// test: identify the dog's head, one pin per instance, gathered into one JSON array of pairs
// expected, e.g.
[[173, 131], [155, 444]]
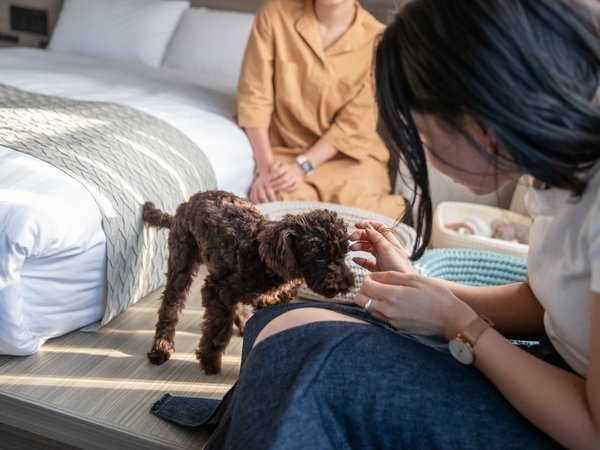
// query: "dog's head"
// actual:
[[313, 246]]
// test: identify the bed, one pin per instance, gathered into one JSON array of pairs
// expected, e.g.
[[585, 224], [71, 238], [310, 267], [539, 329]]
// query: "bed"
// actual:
[[88, 134]]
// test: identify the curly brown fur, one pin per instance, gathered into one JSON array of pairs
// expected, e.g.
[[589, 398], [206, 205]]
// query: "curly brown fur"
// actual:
[[250, 261]]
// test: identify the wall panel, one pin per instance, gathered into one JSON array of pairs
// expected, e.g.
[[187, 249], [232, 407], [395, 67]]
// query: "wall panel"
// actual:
[[382, 9]]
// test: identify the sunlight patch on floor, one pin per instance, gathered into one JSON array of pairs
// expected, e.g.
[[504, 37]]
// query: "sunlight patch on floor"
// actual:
[[86, 351], [195, 387]]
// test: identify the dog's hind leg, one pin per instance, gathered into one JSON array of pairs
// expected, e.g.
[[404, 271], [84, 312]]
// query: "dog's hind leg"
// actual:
[[182, 266], [217, 327]]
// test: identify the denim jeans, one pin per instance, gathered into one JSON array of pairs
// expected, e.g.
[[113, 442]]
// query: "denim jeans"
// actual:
[[337, 385]]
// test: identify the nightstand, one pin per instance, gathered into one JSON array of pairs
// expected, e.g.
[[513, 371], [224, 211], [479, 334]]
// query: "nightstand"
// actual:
[[27, 22], [6, 42]]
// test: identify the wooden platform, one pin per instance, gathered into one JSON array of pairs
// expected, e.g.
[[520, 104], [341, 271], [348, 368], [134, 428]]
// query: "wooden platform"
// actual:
[[94, 390]]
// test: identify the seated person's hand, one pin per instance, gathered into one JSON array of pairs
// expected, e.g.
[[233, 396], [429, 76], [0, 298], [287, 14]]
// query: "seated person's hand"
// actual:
[[414, 304], [378, 240], [261, 190], [286, 177]]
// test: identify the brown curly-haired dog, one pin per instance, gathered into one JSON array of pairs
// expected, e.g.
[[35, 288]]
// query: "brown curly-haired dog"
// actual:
[[250, 260]]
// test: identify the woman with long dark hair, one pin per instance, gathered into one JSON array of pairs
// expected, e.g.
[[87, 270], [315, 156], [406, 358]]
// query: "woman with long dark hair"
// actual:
[[485, 91]]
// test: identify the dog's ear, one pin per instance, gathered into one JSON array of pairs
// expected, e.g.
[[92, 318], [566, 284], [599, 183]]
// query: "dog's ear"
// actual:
[[276, 248]]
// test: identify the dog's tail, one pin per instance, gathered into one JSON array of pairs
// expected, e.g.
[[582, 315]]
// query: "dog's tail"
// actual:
[[155, 217]]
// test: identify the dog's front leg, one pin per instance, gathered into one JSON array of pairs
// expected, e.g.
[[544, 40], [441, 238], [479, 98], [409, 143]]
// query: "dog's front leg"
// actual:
[[182, 266], [217, 328]]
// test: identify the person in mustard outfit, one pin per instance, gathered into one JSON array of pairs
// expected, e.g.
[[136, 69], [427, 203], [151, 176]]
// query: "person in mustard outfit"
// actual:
[[306, 102]]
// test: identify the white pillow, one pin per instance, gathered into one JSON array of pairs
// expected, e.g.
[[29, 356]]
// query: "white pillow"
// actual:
[[209, 45], [135, 31]]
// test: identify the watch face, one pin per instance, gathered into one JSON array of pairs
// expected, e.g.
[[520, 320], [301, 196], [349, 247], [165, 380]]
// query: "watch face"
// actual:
[[461, 351], [304, 164]]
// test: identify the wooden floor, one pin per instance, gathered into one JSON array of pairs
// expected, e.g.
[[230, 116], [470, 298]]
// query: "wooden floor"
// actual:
[[94, 390]]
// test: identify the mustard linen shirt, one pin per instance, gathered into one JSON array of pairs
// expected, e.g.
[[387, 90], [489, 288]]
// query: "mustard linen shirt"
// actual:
[[301, 93]]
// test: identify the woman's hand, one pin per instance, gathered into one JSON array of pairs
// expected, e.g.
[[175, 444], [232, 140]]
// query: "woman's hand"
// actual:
[[414, 304], [377, 239], [261, 190], [280, 177], [286, 177]]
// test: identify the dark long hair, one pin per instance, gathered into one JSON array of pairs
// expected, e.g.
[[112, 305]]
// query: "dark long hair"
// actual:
[[526, 69]]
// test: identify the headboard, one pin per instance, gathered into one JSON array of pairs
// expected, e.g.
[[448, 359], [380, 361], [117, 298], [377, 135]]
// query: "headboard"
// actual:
[[43, 14], [382, 9]]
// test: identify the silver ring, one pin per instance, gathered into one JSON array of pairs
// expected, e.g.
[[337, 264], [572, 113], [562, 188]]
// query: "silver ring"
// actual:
[[368, 306]]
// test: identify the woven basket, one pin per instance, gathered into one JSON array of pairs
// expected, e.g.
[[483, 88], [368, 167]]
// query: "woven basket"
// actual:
[[472, 267], [405, 235], [448, 212]]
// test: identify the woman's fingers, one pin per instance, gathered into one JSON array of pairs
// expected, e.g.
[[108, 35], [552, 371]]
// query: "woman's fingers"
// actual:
[[370, 304], [384, 285], [366, 223], [381, 287], [276, 169], [283, 178], [361, 232], [281, 184], [357, 235], [365, 263], [377, 239], [288, 184], [383, 238], [265, 194], [362, 300], [362, 246], [279, 177], [382, 279], [271, 197]]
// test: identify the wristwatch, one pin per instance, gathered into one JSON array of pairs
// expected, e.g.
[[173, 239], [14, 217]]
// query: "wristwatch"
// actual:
[[305, 165], [463, 344]]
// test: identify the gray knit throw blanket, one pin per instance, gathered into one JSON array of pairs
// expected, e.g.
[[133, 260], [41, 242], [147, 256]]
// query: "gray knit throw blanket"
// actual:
[[123, 157]]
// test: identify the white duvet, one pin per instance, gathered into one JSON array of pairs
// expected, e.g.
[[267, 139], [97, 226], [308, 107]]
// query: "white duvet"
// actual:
[[52, 247]]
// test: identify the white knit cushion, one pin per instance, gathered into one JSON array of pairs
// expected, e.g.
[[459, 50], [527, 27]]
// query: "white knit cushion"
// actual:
[[405, 234]]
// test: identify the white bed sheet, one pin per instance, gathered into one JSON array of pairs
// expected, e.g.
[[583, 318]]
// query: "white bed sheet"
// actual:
[[52, 254], [52, 247], [205, 116]]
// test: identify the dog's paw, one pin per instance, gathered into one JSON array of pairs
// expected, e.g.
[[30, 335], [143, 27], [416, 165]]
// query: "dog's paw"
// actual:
[[210, 366], [160, 353]]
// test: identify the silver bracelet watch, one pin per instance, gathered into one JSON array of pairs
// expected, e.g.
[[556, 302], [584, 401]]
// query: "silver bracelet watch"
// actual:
[[305, 165]]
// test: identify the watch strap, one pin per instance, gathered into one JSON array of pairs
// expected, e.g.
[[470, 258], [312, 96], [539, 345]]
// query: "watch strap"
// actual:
[[476, 327]]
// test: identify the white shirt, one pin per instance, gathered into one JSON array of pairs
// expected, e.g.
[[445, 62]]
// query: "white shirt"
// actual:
[[564, 265]]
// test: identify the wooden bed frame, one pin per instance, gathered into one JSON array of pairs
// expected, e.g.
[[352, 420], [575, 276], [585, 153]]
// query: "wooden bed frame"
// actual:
[[94, 390]]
